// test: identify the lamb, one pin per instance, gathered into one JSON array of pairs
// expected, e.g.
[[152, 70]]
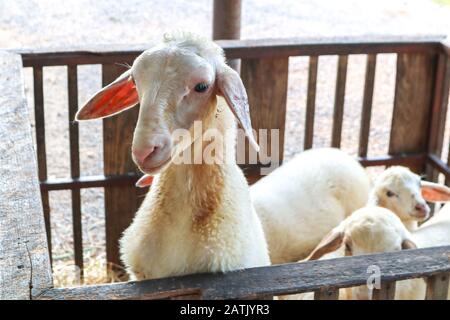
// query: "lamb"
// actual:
[[196, 217], [402, 191], [373, 230]]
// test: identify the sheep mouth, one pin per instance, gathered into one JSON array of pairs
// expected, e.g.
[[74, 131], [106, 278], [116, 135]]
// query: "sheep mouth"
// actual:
[[420, 216], [155, 168]]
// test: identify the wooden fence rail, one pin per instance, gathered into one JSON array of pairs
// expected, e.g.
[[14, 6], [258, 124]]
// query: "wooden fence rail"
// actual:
[[281, 279]]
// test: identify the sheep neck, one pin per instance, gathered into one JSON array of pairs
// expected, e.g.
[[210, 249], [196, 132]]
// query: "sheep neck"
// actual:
[[201, 185]]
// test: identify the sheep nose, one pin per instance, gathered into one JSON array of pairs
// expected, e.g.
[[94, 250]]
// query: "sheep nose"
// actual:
[[422, 209], [141, 154], [151, 153]]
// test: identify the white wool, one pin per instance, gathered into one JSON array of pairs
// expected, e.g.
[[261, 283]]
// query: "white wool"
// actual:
[[302, 200]]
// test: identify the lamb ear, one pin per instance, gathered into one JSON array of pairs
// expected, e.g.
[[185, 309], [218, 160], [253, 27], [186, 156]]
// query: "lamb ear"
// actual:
[[408, 244], [112, 99], [434, 192], [331, 242], [232, 89], [145, 181]]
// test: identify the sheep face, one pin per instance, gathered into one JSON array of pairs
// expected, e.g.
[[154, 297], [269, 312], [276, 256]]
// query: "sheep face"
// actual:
[[176, 83], [368, 230], [176, 87], [374, 230], [399, 190]]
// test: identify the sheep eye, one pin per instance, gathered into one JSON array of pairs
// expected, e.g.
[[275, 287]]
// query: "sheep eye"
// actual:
[[201, 87], [390, 194]]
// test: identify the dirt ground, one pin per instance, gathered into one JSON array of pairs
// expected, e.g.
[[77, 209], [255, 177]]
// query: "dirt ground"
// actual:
[[47, 24]]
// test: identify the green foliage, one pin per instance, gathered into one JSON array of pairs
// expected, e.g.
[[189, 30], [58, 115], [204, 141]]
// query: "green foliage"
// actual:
[[443, 2]]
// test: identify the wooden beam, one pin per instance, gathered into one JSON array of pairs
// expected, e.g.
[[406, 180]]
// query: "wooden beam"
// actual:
[[386, 292], [268, 106], [439, 111], [326, 294], [273, 280], [227, 23], [412, 104], [237, 49], [24, 261], [437, 287]]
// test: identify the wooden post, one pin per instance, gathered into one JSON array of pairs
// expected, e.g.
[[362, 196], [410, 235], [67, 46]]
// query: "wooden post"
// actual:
[[24, 258], [437, 287], [386, 292], [412, 104], [227, 23], [268, 106], [439, 111]]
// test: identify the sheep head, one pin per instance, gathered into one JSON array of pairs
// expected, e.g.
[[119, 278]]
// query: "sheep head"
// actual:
[[368, 230], [402, 191], [176, 84]]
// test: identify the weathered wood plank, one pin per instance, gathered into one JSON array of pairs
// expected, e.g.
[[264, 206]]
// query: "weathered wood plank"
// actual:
[[227, 23], [275, 280], [268, 105], [366, 113], [72, 84], [235, 49], [386, 292], [24, 261], [311, 102], [121, 202], [437, 287], [40, 148], [339, 99], [326, 294], [439, 111], [412, 104]]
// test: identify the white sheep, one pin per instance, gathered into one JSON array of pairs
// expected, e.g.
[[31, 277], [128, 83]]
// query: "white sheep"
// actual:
[[402, 191], [374, 230], [302, 200], [196, 217]]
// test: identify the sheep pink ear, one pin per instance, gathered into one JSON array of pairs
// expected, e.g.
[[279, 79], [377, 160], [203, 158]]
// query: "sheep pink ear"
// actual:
[[434, 192], [145, 181], [232, 89], [331, 242], [112, 99]]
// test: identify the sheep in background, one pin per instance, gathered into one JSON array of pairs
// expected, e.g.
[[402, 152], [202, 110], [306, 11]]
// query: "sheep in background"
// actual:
[[302, 200], [402, 191], [374, 230], [196, 217]]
